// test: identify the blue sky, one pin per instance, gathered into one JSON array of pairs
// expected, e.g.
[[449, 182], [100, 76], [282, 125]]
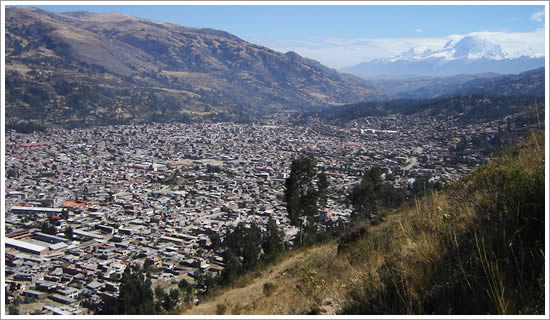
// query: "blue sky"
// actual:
[[327, 32]]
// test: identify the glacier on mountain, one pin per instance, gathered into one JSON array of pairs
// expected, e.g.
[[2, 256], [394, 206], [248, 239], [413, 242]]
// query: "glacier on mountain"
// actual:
[[469, 47], [467, 55]]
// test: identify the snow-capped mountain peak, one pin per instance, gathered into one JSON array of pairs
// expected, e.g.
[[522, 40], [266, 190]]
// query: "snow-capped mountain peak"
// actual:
[[475, 48], [461, 55], [469, 47], [415, 54], [448, 44]]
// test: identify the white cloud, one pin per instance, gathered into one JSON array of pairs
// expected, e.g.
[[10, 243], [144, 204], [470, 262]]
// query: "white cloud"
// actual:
[[538, 16], [419, 30], [342, 52], [517, 43]]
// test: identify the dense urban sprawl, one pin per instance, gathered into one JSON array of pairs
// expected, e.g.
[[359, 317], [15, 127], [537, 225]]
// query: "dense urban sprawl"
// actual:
[[130, 193]]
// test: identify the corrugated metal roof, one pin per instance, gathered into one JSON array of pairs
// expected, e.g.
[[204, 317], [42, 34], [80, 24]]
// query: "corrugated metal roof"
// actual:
[[38, 209], [57, 246], [25, 245]]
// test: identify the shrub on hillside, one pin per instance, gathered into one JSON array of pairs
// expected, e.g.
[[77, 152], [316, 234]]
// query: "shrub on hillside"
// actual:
[[269, 288]]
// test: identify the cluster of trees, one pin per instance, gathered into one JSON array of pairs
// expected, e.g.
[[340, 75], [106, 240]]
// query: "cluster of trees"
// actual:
[[305, 193], [69, 232], [244, 248], [247, 247], [166, 301], [48, 228], [137, 296], [371, 196], [366, 197], [26, 126], [49, 225]]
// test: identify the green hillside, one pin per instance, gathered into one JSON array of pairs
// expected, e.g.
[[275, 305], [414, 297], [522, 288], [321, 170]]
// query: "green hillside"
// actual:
[[476, 247]]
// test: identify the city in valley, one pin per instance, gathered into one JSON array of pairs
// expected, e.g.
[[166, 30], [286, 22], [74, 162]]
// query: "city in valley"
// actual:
[[159, 192]]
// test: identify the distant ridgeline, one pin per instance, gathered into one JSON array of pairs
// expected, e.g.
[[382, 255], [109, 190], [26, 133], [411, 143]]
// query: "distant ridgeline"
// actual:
[[469, 107], [528, 83]]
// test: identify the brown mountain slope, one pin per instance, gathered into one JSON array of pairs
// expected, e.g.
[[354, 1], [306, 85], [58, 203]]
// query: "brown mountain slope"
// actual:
[[137, 68]]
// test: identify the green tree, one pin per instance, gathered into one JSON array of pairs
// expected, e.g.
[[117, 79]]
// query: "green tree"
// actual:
[[323, 185], [135, 295], [422, 185], [13, 310], [148, 265], [302, 196], [392, 197], [163, 300], [159, 293], [207, 282], [215, 241], [48, 228], [273, 243], [245, 241], [69, 233], [167, 301], [174, 294], [233, 267], [186, 290], [366, 197], [300, 193], [252, 247], [184, 286]]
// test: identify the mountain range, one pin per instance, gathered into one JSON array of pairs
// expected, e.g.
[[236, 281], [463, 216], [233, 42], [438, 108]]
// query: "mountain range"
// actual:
[[528, 83], [468, 55], [81, 68], [88, 68]]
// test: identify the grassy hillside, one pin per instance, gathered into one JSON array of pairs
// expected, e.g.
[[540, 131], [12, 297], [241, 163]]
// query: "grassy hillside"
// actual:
[[476, 247]]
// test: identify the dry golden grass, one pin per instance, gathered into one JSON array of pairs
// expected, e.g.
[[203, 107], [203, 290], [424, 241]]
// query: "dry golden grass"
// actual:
[[248, 294], [320, 277]]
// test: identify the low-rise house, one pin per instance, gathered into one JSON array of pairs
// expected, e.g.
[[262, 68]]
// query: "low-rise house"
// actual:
[[61, 298], [94, 285], [47, 286], [68, 292], [24, 277], [35, 294]]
